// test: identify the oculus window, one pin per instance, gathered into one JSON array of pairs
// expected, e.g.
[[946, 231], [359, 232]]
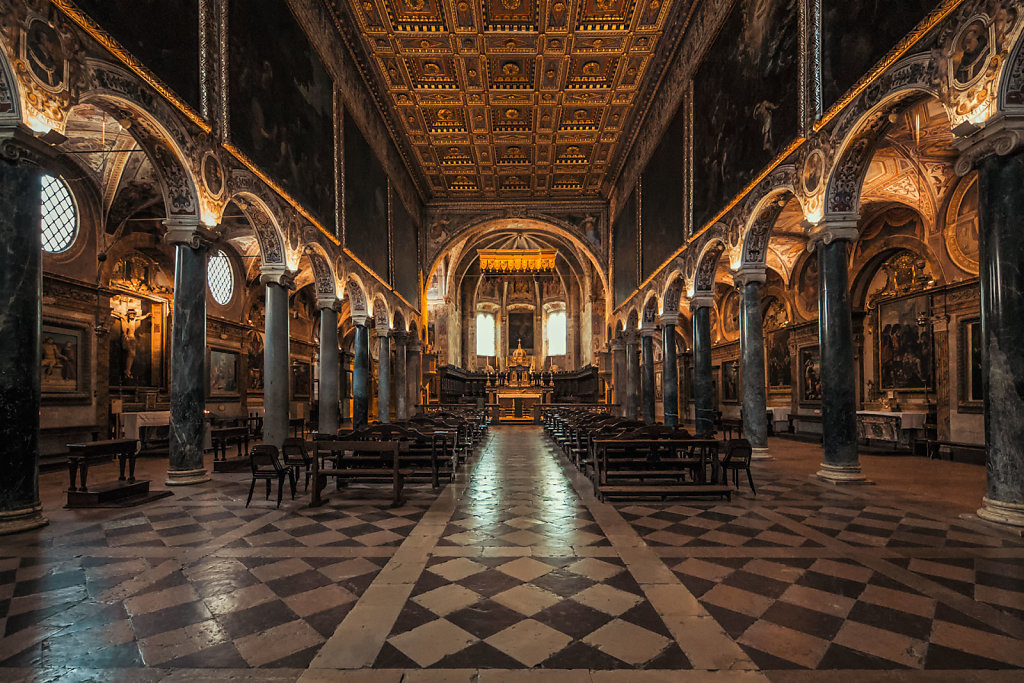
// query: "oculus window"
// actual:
[[485, 334], [556, 333], [220, 277], [60, 219]]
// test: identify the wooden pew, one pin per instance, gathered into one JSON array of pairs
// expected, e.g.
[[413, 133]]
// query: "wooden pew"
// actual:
[[124, 492], [629, 467], [373, 461]]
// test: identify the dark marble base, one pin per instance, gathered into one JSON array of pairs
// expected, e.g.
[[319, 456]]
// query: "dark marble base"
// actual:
[[16, 521], [115, 494]]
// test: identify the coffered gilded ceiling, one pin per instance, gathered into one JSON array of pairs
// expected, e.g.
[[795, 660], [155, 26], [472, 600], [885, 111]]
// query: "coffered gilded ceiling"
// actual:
[[495, 99]]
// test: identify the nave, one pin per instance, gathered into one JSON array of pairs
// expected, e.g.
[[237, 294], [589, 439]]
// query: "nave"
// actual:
[[515, 571]]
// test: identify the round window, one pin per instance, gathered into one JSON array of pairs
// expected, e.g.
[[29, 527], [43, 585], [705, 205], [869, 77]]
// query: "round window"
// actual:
[[220, 278], [60, 220]]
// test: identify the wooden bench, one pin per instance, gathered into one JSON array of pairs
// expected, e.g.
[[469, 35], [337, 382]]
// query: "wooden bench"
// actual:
[[649, 462], [124, 492], [370, 461], [933, 446], [222, 437]]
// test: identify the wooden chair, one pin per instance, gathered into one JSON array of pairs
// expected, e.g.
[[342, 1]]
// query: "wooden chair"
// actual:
[[295, 456], [737, 457], [266, 464]]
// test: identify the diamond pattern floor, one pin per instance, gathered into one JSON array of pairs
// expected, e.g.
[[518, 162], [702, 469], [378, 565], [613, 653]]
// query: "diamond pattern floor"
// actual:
[[514, 567]]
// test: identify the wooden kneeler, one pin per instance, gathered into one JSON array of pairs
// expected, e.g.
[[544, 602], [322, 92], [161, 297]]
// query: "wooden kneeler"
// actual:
[[370, 461]]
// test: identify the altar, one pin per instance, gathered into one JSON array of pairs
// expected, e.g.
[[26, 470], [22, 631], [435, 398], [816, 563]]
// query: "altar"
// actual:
[[900, 428]]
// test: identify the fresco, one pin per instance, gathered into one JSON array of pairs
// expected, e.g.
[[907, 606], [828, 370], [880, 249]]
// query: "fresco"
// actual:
[[366, 205], [661, 197], [745, 101], [624, 234], [163, 36], [856, 34], [282, 104], [904, 346]]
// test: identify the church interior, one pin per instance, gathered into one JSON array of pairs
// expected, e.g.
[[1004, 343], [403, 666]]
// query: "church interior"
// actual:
[[566, 340]]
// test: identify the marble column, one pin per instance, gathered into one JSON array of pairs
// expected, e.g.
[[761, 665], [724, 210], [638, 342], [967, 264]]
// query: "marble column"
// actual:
[[20, 305], [618, 347], [835, 343], [414, 363], [329, 366], [276, 356], [401, 379], [1001, 252], [647, 373], [703, 389], [750, 280], [383, 375], [669, 376], [632, 374], [361, 374], [188, 357]]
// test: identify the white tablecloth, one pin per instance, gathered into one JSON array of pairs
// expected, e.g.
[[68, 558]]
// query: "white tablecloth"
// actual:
[[908, 419], [131, 422]]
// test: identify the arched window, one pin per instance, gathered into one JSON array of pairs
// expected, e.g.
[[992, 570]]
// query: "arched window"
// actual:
[[485, 334], [220, 277], [555, 330], [60, 219]]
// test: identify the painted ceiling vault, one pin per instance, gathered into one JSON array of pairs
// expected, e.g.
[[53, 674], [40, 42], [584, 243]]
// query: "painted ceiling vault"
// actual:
[[495, 99]]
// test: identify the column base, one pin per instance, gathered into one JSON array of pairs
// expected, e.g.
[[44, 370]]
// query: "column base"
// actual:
[[187, 477], [998, 512], [26, 519], [841, 474], [760, 454]]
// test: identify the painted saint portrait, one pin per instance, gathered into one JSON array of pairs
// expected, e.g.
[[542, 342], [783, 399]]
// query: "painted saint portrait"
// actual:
[[779, 364], [730, 382], [520, 330], [904, 345], [223, 372], [62, 357], [970, 53], [302, 379], [810, 374]]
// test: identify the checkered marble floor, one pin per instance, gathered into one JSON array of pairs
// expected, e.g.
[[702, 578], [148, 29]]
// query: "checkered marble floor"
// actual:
[[513, 569]]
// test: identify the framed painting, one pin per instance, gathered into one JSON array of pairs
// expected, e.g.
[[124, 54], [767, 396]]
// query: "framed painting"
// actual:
[[904, 345], [730, 382], [810, 374], [302, 379], [520, 331], [223, 369], [972, 393], [778, 361], [64, 364]]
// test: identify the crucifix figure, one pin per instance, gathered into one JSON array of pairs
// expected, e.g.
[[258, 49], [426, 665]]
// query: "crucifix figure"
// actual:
[[130, 322]]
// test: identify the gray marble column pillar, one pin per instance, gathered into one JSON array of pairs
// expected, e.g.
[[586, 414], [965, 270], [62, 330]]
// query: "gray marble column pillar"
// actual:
[[1001, 252], [618, 347], [414, 362], [703, 390], [669, 376], [383, 375], [361, 375], [401, 379], [276, 357], [755, 398], [330, 371], [188, 358], [647, 374], [20, 302], [835, 343], [632, 373]]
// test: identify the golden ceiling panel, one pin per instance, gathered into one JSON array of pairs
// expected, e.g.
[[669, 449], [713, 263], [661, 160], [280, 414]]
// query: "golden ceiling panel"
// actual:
[[509, 98]]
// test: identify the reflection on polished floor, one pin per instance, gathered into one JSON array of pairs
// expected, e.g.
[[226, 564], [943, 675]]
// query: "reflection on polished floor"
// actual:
[[516, 572]]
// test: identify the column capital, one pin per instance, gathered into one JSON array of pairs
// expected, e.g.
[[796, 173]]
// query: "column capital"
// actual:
[[400, 336], [20, 146], [415, 344], [702, 300], [749, 273], [1001, 136], [361, 319], [277, 274], [631, 337], [832, 229], [188, 232], [331, 302], [617, 344], [669, 318], [649, 331]]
